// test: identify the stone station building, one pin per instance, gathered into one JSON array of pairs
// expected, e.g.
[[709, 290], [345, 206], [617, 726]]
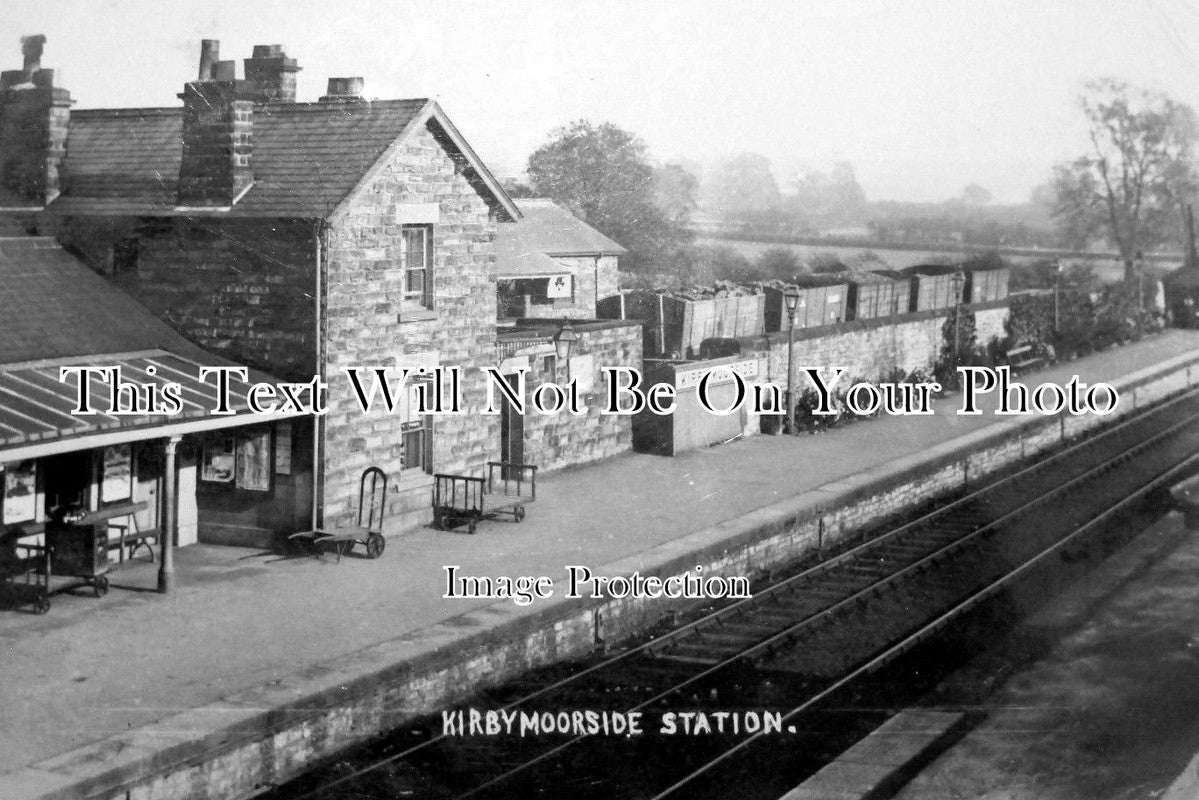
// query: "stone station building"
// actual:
[[302, 238]]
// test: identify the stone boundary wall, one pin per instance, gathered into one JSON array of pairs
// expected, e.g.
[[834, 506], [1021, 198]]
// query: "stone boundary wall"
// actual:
[[870, 349], [270, 733]]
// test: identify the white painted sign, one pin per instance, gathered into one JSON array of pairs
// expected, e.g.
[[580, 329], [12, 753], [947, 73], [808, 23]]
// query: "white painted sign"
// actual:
[[689, 379], [559, 287]]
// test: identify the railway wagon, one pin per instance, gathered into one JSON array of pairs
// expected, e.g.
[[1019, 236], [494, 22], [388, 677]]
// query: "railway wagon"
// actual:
[[901, 287], [822, 301], [872, 295], [679, 323], [986, 285], [932, 287]]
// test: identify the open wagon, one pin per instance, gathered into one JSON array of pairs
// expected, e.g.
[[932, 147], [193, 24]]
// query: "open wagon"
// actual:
[[372, 503], [506, 489]]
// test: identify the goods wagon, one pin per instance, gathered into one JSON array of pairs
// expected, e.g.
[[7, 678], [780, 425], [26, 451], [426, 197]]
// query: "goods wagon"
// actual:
[[822, 301], [932, 287], [901, 288], [872, 295], [985, 285], [679, 322]]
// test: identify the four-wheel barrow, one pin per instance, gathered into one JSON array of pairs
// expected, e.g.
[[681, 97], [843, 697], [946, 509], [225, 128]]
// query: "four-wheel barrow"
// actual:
[[459, 499], [372, 503]]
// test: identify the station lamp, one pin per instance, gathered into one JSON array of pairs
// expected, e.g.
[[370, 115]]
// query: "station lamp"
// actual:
[[564, 340], [791, 303]]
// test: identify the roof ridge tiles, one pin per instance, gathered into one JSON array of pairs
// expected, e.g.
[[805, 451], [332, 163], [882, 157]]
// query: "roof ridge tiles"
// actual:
[[129, 111]]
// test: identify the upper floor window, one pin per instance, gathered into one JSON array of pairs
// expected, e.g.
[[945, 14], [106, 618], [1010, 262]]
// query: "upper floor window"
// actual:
[[417, 241]]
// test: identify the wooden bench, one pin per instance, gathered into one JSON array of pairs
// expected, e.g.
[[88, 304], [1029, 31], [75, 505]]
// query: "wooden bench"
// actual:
[[1022, 357]]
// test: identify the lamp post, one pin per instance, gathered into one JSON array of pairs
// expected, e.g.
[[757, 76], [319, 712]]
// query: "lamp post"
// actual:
[[791, 302], [1057, 293], [958, 280], [563, 341], [1139, 267]]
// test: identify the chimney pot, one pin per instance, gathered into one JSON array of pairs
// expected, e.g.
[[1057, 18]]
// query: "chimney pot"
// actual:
[[225, 71], [31, 49], [271, 74], [343, 89], [210, 53]]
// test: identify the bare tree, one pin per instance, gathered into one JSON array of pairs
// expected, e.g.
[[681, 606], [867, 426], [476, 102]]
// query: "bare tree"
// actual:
[[1132, 185]]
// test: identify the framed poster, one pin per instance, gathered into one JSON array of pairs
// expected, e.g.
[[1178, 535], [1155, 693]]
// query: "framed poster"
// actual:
[[254, 461], [116, 479], [20, 492], [217, 460]]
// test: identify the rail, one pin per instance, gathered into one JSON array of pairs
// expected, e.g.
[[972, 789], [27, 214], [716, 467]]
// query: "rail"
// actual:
[[790, 584]]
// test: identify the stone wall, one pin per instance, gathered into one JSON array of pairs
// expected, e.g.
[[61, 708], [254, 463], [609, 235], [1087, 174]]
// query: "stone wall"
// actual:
[[368, 323], [240, 289], [868, 349], [564, 440], [607, 277]]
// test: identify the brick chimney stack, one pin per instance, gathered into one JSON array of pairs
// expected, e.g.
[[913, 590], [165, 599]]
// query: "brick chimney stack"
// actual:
[[218, 139], [272, 74], [34, 118]]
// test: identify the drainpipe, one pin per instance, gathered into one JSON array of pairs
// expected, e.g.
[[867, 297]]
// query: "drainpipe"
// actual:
[[317, 464]]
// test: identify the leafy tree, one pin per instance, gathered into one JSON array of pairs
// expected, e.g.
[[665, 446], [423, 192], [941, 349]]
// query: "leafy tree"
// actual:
[[1131, 185], [726, 264], [601, 173], [517, 188], [676, 191], [837, 196], [744, 189], [780, 262], [975, 195]]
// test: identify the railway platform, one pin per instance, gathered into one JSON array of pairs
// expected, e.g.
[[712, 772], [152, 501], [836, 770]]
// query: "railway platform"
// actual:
[[134, 681], [1107, 708]]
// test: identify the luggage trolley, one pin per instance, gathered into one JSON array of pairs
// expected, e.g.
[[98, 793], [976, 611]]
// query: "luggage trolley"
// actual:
[[25, 573], [368, 532], [507, 489]]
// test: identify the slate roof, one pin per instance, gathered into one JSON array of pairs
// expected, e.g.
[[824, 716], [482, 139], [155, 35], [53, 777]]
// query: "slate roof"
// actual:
[[54, 306], [58, 312], [308, 157], [547, 227]]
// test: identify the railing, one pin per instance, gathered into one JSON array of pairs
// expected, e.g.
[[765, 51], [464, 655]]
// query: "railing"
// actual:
[[510, 347]]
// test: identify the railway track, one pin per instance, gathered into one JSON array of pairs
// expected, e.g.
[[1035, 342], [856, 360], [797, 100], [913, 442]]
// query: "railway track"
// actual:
[[820, 628]]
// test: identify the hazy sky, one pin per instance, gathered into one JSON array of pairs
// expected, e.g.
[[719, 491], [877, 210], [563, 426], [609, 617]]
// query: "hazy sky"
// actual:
[[922, 96]]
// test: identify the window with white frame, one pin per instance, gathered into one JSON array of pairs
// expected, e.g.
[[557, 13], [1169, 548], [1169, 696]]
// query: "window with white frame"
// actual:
[[417, 246], [416, 432]]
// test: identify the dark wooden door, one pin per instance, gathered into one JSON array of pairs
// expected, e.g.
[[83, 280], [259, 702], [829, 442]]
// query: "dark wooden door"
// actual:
[[512, 430]]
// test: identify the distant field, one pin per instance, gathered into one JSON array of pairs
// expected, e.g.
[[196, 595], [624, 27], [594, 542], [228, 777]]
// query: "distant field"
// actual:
[[1105, 269]]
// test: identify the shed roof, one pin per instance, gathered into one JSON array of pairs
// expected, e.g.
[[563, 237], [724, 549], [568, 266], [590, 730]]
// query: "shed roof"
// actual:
[[546, 227], [308, 158]]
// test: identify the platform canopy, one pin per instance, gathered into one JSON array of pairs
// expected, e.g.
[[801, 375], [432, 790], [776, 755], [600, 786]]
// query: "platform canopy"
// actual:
[[57, 312], [36, 404]]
